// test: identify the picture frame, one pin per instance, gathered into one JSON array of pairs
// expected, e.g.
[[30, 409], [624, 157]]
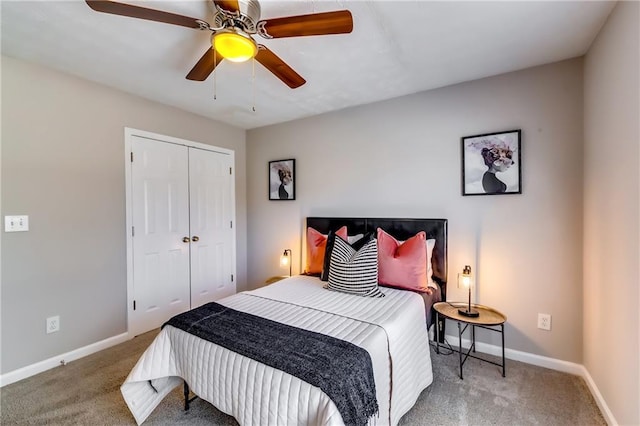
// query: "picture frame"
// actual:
[[282, 180], [491, 163]]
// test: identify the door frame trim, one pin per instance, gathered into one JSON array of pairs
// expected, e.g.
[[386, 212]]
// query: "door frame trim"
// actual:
[[129, 134]]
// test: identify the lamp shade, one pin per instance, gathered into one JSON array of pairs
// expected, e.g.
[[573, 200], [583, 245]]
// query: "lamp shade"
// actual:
[[285, 260], [234, 45], [465, 280]]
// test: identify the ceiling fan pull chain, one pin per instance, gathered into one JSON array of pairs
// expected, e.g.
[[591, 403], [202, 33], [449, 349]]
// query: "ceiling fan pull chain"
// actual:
[[253, 82], [215, 61]]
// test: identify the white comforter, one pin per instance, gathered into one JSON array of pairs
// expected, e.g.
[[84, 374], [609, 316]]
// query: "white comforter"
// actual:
[[392, 329]]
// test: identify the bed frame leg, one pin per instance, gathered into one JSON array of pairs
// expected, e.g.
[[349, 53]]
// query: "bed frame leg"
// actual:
[[186, 396], [187, 400]]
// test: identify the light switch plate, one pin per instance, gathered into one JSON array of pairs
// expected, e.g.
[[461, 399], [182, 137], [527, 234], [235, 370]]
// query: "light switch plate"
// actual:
[[16, 223]]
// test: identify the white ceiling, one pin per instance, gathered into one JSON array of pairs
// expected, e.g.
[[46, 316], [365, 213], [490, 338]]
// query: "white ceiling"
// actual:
[[396, 48]]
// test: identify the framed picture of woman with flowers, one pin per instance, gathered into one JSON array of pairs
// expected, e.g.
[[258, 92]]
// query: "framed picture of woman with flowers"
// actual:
[[282, 184], [491, 164]]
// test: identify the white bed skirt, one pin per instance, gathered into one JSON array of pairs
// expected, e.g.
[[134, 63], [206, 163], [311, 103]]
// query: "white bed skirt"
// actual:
[[392, 329]]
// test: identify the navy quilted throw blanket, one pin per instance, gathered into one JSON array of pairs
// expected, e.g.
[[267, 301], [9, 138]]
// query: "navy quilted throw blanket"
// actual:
[[341, 369]]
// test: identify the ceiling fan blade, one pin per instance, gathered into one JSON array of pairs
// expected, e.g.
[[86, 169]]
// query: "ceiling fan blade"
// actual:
[[123, 9], [339, 22], [230, 5], [279, 68], [205, 66]]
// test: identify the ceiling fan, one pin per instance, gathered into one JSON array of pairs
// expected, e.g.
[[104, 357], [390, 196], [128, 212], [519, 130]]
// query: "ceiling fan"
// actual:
[[234, 24]]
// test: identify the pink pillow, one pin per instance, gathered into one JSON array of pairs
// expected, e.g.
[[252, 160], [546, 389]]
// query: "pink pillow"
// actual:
[[316, 246], [402, 265]]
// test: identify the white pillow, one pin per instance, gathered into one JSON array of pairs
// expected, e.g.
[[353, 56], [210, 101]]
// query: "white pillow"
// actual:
[[353, 238], [430, 245]]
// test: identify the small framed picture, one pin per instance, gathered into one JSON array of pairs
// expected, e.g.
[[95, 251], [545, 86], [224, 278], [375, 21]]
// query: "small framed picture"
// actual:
[[491, 164], [282, 180]]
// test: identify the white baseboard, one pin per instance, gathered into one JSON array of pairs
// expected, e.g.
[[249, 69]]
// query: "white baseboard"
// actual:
[[47, 364], [546, 362], [528, 358], [604, 408]]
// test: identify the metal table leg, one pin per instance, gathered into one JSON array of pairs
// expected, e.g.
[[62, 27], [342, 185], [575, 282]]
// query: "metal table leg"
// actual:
[[473, 338], [437, 333], [503, 362], [460, 348]]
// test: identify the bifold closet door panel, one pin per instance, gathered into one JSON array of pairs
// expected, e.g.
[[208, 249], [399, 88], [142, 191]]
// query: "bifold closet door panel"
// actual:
[[160, 211], [210, 184]]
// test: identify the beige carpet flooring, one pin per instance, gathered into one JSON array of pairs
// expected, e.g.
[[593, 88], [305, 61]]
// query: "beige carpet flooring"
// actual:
[[87, 392]]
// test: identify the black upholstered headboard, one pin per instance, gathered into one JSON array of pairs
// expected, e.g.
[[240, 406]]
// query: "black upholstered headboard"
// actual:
[[401, 229]]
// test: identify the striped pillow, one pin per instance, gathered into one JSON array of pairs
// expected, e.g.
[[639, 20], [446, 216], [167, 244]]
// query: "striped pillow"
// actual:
[[354, 272]]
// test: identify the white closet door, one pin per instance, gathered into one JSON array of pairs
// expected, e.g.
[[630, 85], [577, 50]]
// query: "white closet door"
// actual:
[[160, 214], [210, 182]]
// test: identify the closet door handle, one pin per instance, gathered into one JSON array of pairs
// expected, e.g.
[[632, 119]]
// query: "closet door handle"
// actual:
[[186, 239], [195, 239]]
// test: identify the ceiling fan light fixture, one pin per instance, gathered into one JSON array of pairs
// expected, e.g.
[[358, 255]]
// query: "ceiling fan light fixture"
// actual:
[[234, 45]]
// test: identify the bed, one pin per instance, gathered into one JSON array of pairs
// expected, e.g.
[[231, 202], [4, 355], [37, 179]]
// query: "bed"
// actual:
[[391, 329]]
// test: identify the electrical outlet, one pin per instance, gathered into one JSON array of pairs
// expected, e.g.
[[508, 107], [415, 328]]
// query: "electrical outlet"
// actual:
[[544, 321], [53, 324]]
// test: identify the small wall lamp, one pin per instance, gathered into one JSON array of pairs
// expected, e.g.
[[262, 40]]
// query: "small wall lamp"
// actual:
[[285, 259], [465, 279]]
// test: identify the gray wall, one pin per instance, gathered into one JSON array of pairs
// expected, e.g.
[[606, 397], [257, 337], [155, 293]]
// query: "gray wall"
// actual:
[[401, 158], [63, 165], [612, 212]]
